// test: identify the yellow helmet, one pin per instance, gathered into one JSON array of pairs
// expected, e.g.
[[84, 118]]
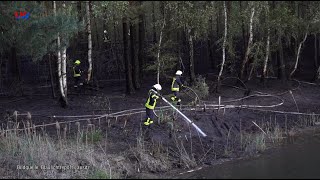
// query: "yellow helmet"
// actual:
[[77, 62]]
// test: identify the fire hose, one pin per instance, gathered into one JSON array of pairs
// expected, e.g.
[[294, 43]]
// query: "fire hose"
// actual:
[[184, 116]]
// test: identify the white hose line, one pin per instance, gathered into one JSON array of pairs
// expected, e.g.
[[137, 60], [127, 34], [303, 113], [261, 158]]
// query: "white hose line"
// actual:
[[184, 116]]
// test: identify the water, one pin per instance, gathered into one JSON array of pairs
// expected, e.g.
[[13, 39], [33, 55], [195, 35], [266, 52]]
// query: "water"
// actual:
[[298, 159]]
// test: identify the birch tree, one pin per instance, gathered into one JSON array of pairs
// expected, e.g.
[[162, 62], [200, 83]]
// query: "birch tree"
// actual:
[[265, 63], [224, 43], [63, 97], [64, 63], [298, 55], [246, 57], [89, 41], [158, 55]]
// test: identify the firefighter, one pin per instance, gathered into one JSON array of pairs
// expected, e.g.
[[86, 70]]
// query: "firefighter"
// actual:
[[77, 73], [151, 104], [175, 87]]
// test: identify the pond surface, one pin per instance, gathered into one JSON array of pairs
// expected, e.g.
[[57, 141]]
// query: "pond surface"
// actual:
[[298, 159]]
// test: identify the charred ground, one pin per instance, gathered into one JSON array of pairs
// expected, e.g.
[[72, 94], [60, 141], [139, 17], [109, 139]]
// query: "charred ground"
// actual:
[[170, 142]]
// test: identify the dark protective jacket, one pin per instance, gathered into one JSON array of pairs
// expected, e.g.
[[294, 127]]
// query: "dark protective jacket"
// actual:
[[76, 71], [152, 99], [176, 83]]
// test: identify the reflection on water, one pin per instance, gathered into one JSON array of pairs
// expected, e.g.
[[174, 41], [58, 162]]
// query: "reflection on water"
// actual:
[[300, 159]]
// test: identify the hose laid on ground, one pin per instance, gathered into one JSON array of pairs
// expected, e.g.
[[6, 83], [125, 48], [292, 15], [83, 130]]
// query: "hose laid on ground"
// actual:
[[163, 108], [184, 116]]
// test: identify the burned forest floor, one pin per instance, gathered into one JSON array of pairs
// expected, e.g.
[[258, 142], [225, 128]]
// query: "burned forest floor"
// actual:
[[102, 129]]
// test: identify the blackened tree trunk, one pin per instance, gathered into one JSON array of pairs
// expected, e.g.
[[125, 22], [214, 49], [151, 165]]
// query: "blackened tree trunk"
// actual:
[[154, 23], [128, 68], [210, 44], [218, 23], [315, 51], [142, 30], [281, 65], [51, 77], [191, 56], [159, 50], [134, 56], [1, 61], [79, 46], [14, 65], [115, 49]]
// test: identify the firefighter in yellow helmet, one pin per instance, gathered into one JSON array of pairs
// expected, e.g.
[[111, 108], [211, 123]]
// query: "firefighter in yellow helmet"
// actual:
[[175, 87], [77, 73], [151, 104]]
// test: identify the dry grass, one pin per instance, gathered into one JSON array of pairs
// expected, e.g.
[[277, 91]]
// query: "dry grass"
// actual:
[[152, 156], [60, 158]]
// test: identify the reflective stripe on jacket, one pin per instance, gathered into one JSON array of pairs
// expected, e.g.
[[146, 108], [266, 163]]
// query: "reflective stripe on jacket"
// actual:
[[176, 83], [76, 71], [152, 100]]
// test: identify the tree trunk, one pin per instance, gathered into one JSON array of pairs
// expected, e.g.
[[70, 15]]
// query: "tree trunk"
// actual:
[[298, 55], [315, 51], [63, 97], [64, 69], [51, 78], [141, 42], [224, 44], [246, 57], [154, 23], [15, 73], [244, 40], [191, 56], [64, 64], [218, 23], [281, 65], [115, 50], [210, 44], [134, 57], [129, 84], [318, 75], [78, 46], [265, 64], [1, 61], [98, 30], [159, 48], [89, 42]]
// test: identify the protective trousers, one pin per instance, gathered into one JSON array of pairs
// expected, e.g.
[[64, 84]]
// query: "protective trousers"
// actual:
[[150, 116], [176, 97]]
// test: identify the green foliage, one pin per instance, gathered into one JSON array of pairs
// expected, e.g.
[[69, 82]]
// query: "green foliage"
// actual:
[[168, 57], [193, 15], [110, 10], [200, 87], [35, 36]]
